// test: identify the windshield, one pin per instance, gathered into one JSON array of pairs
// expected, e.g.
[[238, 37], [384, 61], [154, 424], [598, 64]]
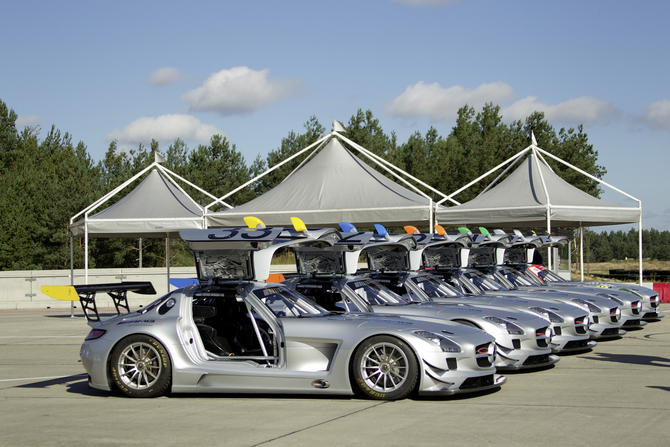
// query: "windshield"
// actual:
[[516, 279], [375, 294], [499, 278], [463, 285], [284, 302], [482, 282], [549, 276], [434, 288]]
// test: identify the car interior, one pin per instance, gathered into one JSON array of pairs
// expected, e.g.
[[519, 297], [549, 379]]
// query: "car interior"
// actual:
[[225, 326]]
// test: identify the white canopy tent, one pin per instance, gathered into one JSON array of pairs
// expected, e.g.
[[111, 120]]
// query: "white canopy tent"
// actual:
[[157, 207], [334, 185], [533, 195]]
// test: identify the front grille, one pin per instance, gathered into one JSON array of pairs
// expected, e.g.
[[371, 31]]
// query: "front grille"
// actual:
[[536, 360], [542, 337], [636, 308], [614, 314], [655, 301], [477, 382], [580, 325], [483, 362], [576, 344], [484, 355]]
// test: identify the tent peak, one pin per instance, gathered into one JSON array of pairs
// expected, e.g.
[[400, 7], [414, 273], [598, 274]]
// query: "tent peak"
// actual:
[[532, 138], [158, 157], [338, 126]]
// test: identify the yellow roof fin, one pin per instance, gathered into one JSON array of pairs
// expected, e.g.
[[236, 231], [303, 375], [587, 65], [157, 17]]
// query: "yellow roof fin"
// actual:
[[254, 222]]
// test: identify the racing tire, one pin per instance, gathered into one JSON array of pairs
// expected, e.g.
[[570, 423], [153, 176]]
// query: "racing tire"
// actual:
[[385, 368], [140, 367]]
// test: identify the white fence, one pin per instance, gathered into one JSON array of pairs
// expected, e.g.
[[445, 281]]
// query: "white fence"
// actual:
[[22, 289]]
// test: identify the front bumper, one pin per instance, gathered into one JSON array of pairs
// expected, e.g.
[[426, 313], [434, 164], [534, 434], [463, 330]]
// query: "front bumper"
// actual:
[[652, 315], [468, 385], [530, 362], [607, 333], [578, 345]]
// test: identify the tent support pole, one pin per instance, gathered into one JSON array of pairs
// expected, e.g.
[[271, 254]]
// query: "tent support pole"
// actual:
[[639, 244], [430, 219], [549, 253], [71, 273], [581, 249], [167, 260], [85, 252]]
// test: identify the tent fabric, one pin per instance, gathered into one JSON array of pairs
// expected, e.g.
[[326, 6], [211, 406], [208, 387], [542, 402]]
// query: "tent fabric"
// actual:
[[334, 186], [520, 201], [155, 208]]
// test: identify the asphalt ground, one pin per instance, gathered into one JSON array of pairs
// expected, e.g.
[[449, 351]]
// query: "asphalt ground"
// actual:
[[616, 394]]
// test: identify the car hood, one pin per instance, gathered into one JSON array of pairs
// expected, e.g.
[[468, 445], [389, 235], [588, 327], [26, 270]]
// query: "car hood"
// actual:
[[456, 310], [404, 321]]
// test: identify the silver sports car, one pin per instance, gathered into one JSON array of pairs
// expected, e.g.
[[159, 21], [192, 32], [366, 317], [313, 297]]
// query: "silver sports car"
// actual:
[[444, 254], [523, 338], [235, 333], [485, 252], [649, 299]]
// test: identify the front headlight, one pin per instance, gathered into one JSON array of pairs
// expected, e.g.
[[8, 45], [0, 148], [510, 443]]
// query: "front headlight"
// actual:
[[586, 305], [443, 342], [551, 316], [508, 325]]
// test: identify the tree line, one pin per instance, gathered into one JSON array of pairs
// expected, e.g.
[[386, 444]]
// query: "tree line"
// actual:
[[619, 245], [47, 179]]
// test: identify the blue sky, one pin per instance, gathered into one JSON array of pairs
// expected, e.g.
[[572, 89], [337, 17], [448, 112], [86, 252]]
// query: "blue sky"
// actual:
[[253, 71]]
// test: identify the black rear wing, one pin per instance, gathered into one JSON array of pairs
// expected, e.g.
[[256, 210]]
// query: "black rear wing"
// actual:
[[86, 294]]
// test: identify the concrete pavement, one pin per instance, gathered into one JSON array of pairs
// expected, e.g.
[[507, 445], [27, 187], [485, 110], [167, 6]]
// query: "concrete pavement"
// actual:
[[617, 394]]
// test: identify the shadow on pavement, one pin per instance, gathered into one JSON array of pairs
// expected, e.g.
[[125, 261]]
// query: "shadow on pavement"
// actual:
[[54, 381], [664, 388], [76, 383], [632, 359], [81, 387]]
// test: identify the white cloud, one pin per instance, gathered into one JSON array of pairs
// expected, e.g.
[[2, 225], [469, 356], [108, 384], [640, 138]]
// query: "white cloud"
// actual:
[[442, 104], [166, 76], [165, 128], [427, 2], [657, 115], [27, 120], [238, 90], [584, 110]]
